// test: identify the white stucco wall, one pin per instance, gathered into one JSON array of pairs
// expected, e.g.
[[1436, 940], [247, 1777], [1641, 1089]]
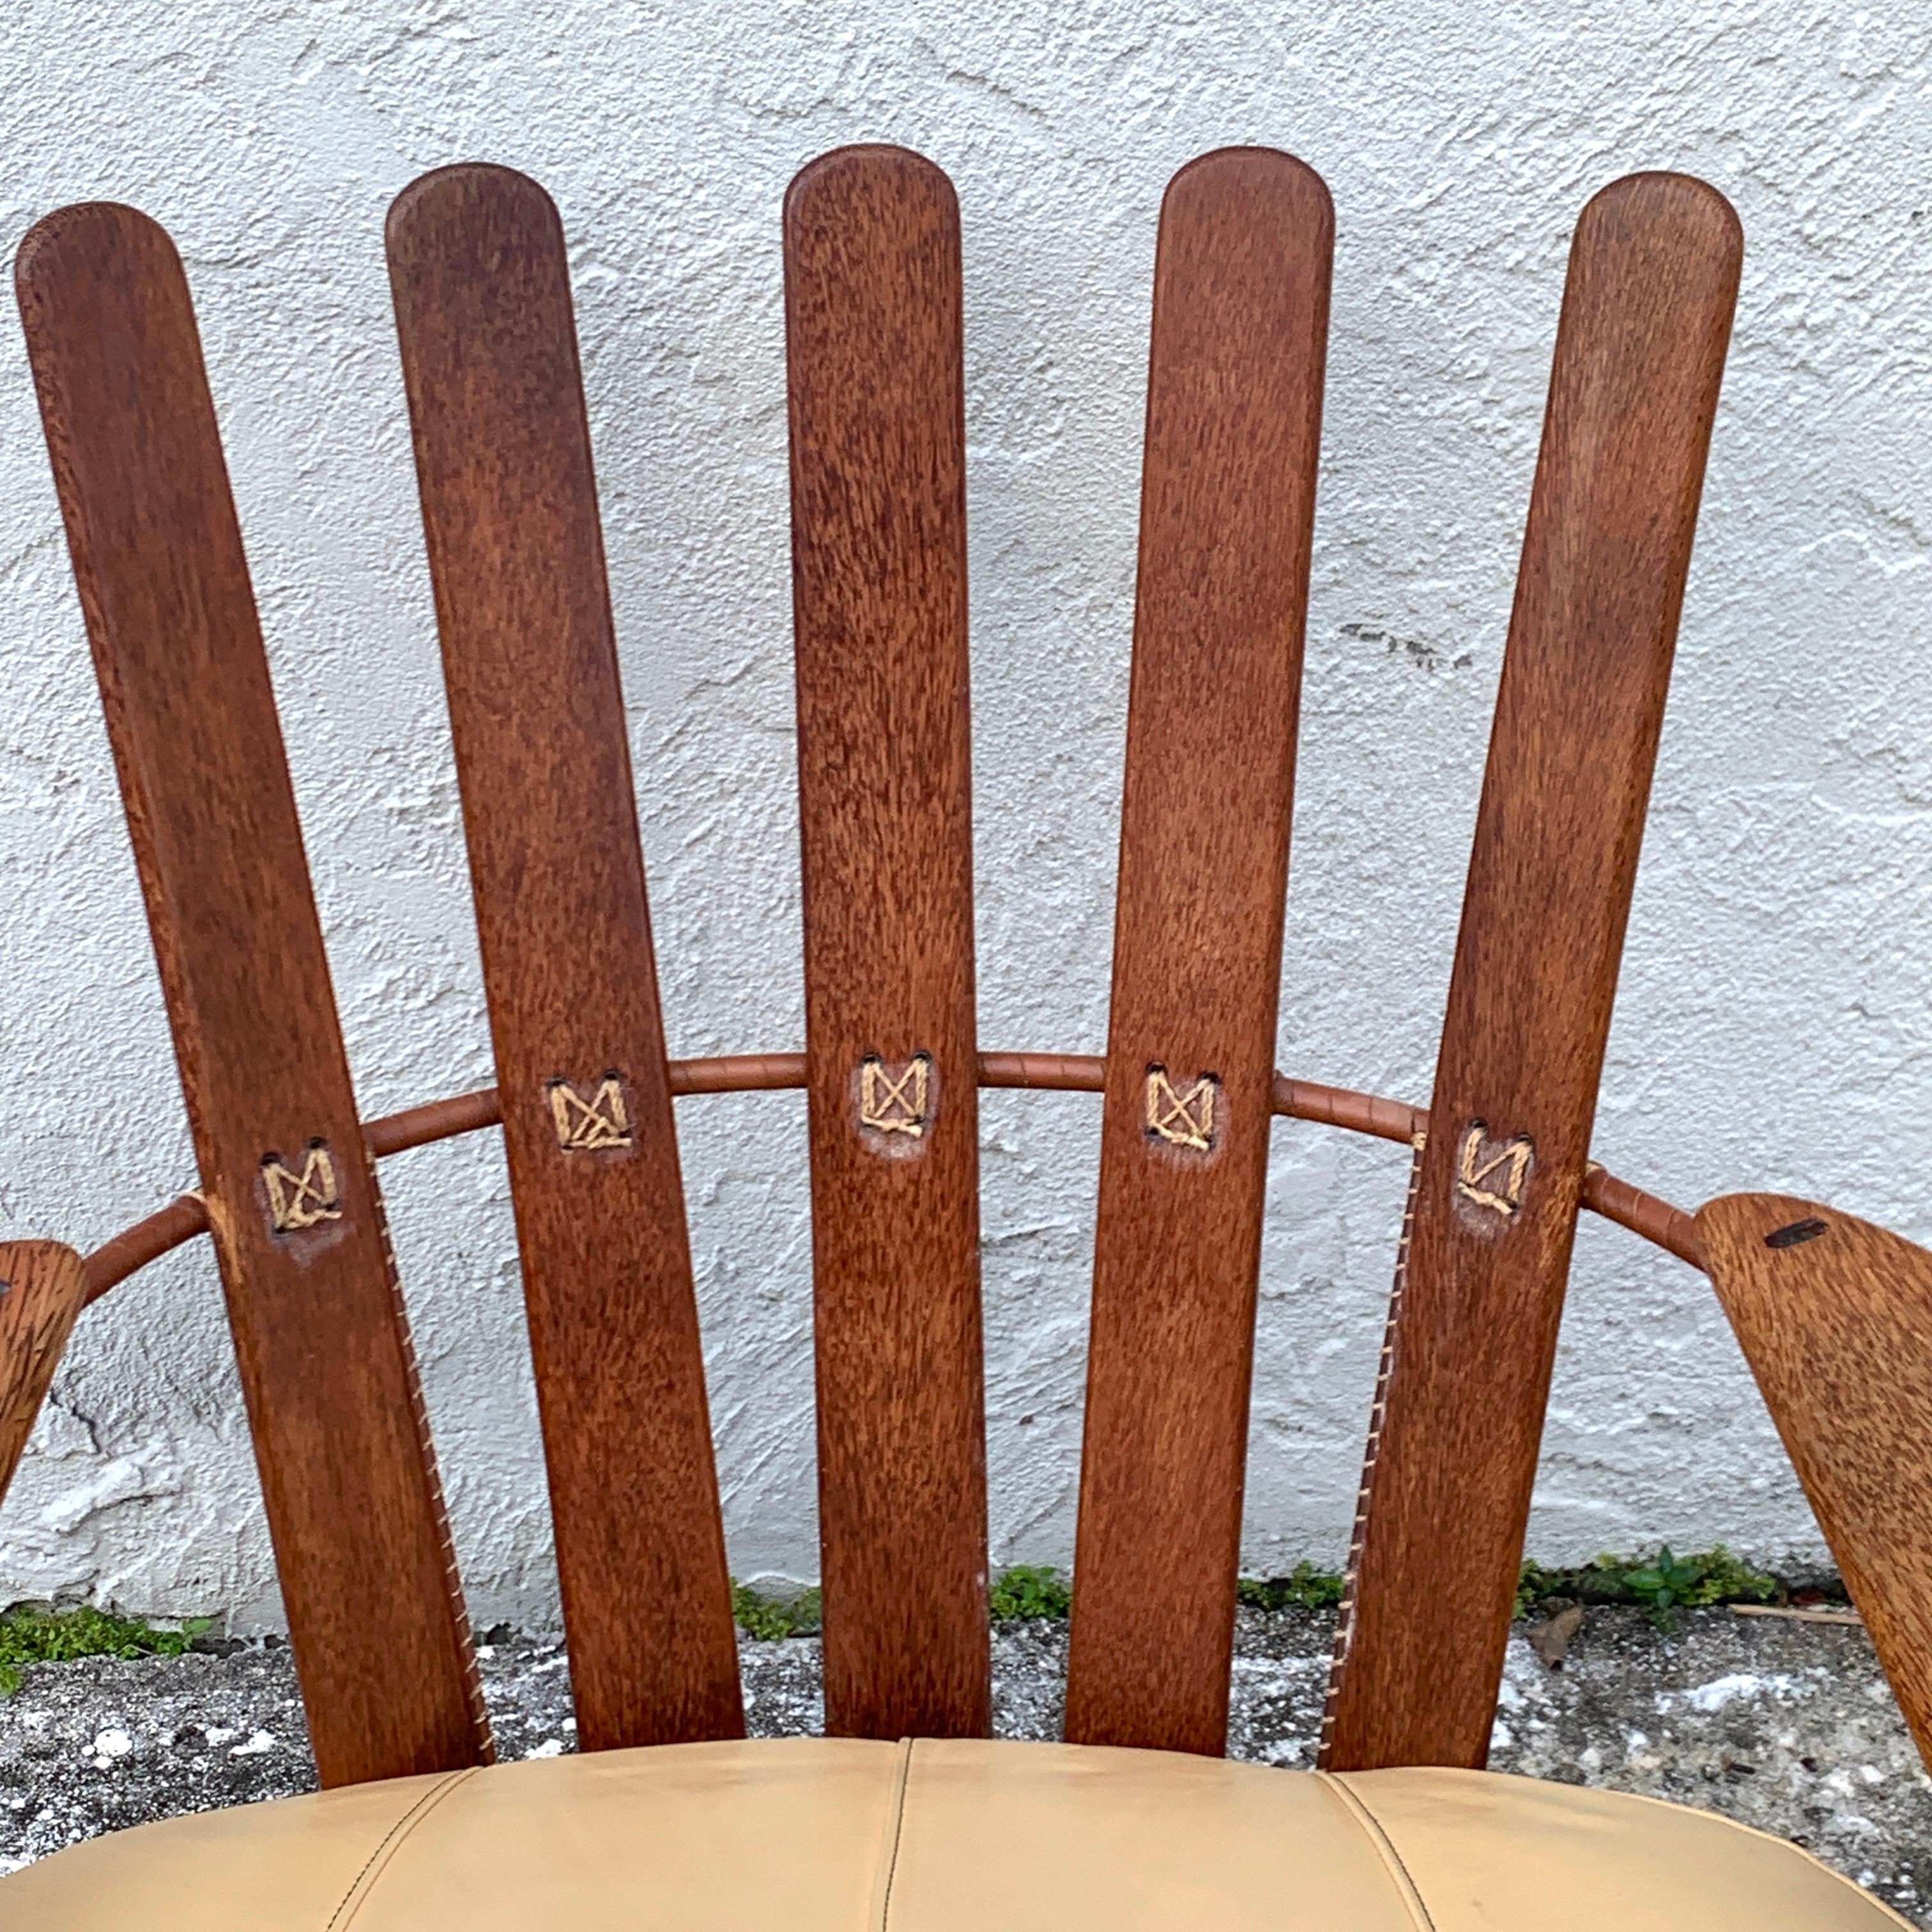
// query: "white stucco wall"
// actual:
[[1773, 1027]]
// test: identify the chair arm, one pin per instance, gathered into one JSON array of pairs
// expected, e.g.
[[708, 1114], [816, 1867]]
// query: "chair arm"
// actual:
[[42, 1286], [1834, 1316]]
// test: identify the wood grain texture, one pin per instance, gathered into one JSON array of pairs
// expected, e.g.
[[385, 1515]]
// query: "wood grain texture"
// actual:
[[42, 1288], [1646, 315], [1241, 317], [873, 333], [481, 284], [376, 1617], [1834, 1316]]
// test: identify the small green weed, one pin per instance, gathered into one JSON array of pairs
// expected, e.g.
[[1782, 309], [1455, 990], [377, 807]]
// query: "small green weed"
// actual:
[[1028, 1590], [1304, 1585], [1662, 1584], [31, 1636], [771, 1618]]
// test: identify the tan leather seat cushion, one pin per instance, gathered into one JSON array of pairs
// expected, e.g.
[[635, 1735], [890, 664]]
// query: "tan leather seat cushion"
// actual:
[[816, 1834]]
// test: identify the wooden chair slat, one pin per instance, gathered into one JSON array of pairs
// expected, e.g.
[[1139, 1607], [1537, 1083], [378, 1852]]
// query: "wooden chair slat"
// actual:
[[872, 300], [1834, 1316], [1240, 313], [1646, 317], [42, 1289], [483, 306], [375, 1614]]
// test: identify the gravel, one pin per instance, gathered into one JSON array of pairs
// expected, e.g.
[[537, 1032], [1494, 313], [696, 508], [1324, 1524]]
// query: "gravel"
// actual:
[[1785, 1726]]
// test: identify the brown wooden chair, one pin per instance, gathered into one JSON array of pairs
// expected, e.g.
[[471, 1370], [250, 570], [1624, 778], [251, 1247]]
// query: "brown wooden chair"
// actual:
[[669, 1818]]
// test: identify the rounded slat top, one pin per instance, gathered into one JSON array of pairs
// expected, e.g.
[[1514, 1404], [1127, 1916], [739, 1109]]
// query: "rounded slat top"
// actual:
[[878, 445]]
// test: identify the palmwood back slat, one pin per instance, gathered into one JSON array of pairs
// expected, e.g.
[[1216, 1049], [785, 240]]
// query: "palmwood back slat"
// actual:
[[376, 1619], [891, 1067], [874, 338], [1639, 349], [516, 553], [1241, 318]]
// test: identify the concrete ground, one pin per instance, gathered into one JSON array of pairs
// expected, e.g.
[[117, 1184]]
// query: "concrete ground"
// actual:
[[1787, 1727]]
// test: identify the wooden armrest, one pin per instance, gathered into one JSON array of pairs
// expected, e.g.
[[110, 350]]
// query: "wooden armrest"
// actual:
[[1835, 1319], [42, 1286]]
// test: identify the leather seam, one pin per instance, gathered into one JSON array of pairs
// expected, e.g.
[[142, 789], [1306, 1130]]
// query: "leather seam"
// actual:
[[1370, 1828], [351, 1905], [901, 1784]]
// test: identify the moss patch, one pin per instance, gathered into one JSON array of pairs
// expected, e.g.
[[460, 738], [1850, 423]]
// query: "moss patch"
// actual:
[[1660, 1584], [1304, 1587], [31, 1636], [770, 1617]]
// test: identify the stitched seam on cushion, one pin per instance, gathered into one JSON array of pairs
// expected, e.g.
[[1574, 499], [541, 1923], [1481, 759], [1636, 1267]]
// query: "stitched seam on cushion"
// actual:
[[365, 1879], [1370, 1827], [898, 1832]]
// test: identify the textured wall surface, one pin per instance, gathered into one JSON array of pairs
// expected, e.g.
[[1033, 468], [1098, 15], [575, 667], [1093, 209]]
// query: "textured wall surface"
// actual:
[[1773, 1025]]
